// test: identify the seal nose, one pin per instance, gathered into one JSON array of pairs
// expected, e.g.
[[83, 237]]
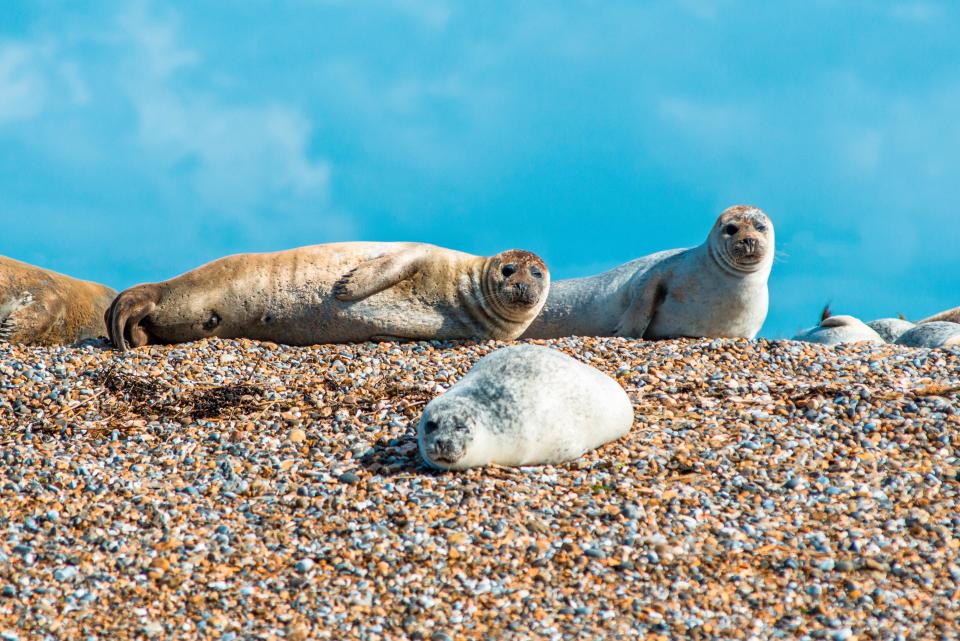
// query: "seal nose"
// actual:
[[749, 246], [442, 446]]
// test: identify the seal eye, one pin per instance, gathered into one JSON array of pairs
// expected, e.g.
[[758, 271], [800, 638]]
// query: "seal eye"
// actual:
[[536, 273], [430, 427], [730, 229], [212, 322], [461, 428], [760, 227], [508, 270]]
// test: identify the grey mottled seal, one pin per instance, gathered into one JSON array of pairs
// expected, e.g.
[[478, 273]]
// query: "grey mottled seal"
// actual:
[[338, 292], [834, 330], [42, 307], [523, 405], [716, 289], [890, 329], [931, 334]]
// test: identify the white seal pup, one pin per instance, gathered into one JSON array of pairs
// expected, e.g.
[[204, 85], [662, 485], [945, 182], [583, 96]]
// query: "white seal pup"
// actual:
[[42, 307], [717, 289], [950, 315], [834, 330], [932, 334], [338, 293], [523, 405], [890, 329]]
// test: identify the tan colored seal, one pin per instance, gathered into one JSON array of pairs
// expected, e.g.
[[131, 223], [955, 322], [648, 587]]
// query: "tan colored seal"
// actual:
[[717, 289], [950, 316], [336, 293], [42, 307]]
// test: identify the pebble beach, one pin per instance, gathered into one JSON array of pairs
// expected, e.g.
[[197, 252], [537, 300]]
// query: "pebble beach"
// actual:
[[242, 490]]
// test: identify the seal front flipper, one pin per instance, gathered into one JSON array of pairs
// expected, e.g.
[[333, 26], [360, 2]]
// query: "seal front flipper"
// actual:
[[378, 274], [640, 312], [125, 315]]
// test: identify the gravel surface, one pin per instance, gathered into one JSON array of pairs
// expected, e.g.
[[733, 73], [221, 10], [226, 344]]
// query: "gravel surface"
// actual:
[[241, 490]]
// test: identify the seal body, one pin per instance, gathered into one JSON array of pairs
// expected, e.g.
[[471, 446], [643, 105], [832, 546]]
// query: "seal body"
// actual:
[[42, 307], [338, 292], [950, 316], [931, 334], [890, 329], [523, 405], [835, 330], [717, 289]]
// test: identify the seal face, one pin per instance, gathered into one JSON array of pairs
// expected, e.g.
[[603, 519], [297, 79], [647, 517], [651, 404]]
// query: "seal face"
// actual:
[[933, 334], [742, 240], [517, 281], [717, 289], [523, 405], [336, 293], [42, 307]]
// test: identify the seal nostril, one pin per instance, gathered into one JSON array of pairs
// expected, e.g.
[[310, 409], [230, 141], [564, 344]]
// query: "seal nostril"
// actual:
[[730, 229]]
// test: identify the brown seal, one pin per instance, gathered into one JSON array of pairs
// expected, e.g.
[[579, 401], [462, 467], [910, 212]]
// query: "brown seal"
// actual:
[[950, 316], [42, 307], [337, 293]]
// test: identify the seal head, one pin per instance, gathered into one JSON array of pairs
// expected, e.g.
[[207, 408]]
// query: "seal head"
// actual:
[[742, 240], [451, 434], [515, 283]]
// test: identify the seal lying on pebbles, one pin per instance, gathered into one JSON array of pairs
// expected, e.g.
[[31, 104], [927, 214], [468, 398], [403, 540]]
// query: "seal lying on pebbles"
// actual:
[[523, 405], [950, 315], [336, 293], [890, 329], [717, 289], [42, 307], [932, 334], [834, 330]]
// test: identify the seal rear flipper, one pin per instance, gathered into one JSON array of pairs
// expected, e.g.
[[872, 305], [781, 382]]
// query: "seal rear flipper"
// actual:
[[378, 274], [639, 314], [125, 314], [8, 315]]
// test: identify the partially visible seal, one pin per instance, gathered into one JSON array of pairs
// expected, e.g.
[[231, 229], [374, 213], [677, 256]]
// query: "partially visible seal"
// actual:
[[716, 289], [523, 405], [337, 293], [950, 315], [42, 307], [834, 330], [932, 334], [890, 329]]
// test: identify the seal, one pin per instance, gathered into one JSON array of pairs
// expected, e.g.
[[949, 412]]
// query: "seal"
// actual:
[[835, 330], [338, 293], [950, 316], [43, 307], [523, 405], [716, 289], [890, 329], [932, 334]]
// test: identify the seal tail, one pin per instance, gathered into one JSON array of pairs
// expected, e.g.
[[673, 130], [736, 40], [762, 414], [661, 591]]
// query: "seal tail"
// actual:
[[826, 313]]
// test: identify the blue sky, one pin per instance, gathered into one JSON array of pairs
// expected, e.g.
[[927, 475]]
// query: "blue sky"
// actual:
[[139, 139]]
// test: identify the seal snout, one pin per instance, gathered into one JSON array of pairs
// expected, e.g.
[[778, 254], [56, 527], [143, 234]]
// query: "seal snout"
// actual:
[[748, 250]]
